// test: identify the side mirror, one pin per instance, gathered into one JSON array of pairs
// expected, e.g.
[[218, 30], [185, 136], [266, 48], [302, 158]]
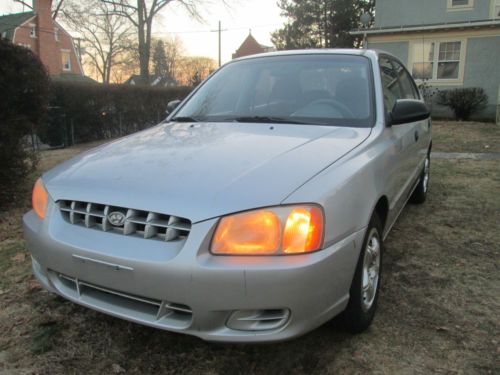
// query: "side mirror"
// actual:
[[408, 110], [172, 105]]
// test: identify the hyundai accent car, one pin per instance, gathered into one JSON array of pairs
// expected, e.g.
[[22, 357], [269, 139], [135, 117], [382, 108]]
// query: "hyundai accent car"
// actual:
[[255, 212]]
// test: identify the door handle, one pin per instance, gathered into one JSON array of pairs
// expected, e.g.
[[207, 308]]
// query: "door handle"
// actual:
[[416, 136]]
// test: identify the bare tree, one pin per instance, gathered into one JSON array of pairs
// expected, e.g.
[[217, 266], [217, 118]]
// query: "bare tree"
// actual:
[[191, 70], [106, 35], [141, 14], [56, 6]]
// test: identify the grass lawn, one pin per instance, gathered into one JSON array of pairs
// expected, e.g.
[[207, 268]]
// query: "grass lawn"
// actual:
[[438, 309], [450, 136]]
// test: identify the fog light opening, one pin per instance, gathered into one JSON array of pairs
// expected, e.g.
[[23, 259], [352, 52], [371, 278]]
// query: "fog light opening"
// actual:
[[258, 320]]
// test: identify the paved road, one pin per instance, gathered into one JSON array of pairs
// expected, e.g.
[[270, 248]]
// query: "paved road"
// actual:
[[466, 155]]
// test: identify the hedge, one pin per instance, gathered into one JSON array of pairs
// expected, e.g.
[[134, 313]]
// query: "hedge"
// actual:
[[83, 112], [23, 86]]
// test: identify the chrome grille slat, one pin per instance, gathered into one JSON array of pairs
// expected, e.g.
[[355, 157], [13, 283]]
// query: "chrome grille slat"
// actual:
[[144, 224], [105, 223]]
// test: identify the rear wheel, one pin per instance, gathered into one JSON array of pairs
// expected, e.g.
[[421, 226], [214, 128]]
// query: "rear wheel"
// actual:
[[366, 283], [420, 193]]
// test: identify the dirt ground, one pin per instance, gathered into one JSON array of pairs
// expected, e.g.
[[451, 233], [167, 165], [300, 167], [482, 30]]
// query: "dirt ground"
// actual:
[[438, 309]]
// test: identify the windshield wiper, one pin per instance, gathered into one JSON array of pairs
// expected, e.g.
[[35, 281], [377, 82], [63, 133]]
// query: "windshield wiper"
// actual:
[[184, 119], [264, 119]]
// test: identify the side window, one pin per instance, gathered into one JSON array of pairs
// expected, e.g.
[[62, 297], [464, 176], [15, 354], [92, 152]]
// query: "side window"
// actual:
[[408, 90], [390, 83]]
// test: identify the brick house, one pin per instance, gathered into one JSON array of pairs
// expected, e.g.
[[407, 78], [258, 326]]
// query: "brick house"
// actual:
[[250, 46], [37, 31]]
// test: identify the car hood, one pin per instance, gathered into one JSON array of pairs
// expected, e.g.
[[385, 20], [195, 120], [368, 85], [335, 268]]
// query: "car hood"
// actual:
[[202, 170]]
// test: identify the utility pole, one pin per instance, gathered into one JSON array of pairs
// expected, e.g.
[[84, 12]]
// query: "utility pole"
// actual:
[[219, 31], [220, 44]]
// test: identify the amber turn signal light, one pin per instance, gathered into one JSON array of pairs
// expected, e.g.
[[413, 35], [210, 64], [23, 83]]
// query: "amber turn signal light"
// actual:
[[303, 230], [39, 199]]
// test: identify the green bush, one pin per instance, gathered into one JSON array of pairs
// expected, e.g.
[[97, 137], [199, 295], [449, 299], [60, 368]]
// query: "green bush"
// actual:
[[83, 112], [24, 85], [464, 102]]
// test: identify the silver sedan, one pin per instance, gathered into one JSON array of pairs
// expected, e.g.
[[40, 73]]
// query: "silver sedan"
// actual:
[[255, 212]]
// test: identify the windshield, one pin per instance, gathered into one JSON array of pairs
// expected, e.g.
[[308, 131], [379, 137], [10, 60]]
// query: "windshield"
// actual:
[[306, 89]]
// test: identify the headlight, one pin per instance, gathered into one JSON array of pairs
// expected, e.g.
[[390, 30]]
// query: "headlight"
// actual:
[[270, 231], [39, 199]]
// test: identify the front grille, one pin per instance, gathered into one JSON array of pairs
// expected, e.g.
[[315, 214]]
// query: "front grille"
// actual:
[[144, 224]]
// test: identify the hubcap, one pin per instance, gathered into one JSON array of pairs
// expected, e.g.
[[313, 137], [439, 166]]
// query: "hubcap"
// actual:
[[371, 270], [426, 174]]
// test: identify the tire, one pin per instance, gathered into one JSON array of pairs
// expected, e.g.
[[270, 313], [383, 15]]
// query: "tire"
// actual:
[[362, 305], [420, 193]]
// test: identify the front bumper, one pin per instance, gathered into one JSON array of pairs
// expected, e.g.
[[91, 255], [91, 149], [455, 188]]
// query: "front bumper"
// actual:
[[186, 289]]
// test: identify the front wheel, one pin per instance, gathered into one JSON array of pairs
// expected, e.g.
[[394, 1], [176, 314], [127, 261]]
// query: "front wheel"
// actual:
[[420, 193], [366, 283]]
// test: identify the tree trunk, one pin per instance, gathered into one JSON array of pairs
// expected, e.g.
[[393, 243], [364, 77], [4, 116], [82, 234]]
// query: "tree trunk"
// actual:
[[147, 50], [108, 66], [143, 46]]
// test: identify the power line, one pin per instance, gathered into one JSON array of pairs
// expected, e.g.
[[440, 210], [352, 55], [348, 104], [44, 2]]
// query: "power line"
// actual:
[[49, 31], [211, 31]]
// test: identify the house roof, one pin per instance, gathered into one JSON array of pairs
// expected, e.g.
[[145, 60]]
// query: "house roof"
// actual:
[[429, 27], [250, 46], [71, 77], [154, 80], [10, 22]]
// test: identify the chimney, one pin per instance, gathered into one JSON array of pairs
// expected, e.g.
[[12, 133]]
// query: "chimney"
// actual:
[[48, 51], [43, 7]]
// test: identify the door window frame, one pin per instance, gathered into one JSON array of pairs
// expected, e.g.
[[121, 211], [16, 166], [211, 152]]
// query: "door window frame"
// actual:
[[392, 60]]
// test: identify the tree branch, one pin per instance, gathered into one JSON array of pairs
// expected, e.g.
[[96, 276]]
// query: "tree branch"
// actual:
[[56, 11], [23, 3]]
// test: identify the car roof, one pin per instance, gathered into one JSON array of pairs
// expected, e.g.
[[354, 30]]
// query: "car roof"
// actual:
[[317, 51], [369, 53]]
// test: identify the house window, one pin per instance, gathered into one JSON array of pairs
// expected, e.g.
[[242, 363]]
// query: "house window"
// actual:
[[460, 5], [438, 60], [32, 30], [448, 60], [4, 34], [56, 34], [66, 60], [495, 8], [423, 60]]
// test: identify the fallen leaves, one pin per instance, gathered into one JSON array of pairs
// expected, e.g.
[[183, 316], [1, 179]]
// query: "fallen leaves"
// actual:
[[117, 369], [19, 258]]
